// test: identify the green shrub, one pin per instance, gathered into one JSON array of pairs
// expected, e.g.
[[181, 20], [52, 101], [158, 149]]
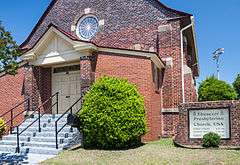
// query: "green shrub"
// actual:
[[236, 85], [213, 89], [2, 127], [112, 115], [211, 140]]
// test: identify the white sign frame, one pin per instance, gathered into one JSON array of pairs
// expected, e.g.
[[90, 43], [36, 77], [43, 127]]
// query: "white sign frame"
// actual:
[[220, 115]]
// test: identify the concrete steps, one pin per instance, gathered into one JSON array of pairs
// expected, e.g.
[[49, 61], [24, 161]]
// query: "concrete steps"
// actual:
[[32, 150], [44, 142]]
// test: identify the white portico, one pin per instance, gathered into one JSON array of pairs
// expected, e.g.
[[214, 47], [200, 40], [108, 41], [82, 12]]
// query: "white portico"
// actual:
[[62, 53]]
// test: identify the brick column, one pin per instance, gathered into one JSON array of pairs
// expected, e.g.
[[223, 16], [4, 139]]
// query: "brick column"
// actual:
[[87, 71], [37, 85]]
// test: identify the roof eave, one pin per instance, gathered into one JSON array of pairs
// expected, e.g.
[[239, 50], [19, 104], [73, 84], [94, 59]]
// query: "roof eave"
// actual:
[[38, 23], [174, 10]]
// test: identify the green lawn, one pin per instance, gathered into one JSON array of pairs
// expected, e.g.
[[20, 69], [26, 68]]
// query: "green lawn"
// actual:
[[155, 153]]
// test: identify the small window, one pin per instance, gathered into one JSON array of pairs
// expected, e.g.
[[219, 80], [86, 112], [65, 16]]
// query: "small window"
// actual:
[[66, 69], [156, 73]]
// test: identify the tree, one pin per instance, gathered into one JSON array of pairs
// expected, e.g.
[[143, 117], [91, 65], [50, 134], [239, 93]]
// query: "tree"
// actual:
[[236, 85], [113, 115], [9, 52], [213, 89]]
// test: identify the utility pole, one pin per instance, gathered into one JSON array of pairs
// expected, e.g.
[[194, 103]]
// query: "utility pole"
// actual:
[[216, 56]]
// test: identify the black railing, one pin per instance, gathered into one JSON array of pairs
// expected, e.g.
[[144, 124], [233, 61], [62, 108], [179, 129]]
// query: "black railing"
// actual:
[[57, 131], [25, 103], [38, 110]]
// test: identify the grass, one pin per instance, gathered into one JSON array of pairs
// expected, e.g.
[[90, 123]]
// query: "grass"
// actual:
[[161, 152]]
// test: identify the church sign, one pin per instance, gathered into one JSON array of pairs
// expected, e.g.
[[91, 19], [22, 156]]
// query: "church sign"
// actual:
[[203, 121]]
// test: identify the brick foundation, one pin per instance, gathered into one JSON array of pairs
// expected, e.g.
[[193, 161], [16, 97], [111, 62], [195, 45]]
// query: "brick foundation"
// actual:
[[182, 129]]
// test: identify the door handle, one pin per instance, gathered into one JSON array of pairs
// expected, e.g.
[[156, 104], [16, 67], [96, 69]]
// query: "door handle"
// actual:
[[67, 97]]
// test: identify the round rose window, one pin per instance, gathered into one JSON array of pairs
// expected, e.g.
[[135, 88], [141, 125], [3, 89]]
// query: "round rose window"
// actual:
[[87, 27]]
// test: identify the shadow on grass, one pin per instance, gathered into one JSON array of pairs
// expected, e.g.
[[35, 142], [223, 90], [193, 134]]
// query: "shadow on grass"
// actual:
[[13, 159], [109, 149], [200, 147]]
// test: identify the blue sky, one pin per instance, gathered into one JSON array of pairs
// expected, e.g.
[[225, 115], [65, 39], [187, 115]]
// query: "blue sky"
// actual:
[[217, 25]]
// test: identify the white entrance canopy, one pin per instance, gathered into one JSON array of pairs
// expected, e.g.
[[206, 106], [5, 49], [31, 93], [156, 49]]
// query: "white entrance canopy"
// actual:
[[58, 47]]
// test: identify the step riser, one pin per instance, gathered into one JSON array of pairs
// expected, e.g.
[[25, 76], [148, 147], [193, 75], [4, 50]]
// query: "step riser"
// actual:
[[52, 124], [48, 140], [42, 151], [11, 138], [53, 146], [44, 129], [31, 144], [46, 118], [44, 142], [46, 134], [38, 139], [47, 126], [29, 121], [43, 134], [50, 116]]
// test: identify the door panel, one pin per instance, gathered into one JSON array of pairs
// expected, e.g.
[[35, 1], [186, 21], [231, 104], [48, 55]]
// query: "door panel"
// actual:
[[69, 88]]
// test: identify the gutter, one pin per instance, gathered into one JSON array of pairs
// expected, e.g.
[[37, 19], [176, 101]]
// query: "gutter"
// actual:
[[195, 44], [182, 57]]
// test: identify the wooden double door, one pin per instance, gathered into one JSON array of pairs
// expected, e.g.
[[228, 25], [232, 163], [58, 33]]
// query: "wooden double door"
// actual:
[[66, 81]]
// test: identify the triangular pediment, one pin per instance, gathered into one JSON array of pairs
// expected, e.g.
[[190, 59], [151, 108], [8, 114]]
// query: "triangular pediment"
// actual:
[[54, 45], [57, 47]]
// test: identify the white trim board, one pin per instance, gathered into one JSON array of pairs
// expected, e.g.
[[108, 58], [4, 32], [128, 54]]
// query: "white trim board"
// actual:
[[57, 48]]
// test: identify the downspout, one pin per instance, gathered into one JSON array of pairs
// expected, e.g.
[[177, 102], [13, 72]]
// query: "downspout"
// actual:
[[182, 58]]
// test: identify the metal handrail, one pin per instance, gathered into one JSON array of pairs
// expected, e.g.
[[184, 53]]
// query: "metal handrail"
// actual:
[[38, 119], [12, 110], [56, 122]]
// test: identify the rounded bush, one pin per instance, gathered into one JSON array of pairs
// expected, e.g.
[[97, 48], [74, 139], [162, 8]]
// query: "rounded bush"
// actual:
[[236, 85], [213, 89], [2, 127], [112, 115], [211, 140]]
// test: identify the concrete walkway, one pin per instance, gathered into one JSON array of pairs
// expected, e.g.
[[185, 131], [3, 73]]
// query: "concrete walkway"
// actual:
[[17, 159]]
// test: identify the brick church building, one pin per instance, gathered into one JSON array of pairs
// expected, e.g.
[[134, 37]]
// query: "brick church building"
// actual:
[[76, 42]]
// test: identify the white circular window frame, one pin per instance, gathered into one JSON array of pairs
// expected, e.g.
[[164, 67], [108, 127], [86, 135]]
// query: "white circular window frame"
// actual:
[[78, 25]]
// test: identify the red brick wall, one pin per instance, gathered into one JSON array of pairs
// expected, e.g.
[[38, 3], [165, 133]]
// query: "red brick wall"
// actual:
[[139, 72], [46, 89], [170, 121], [42, 88], [11, 94], [38, 86], [190, 89], [129, 23], [170, 46], [189, 84], [28, 82]]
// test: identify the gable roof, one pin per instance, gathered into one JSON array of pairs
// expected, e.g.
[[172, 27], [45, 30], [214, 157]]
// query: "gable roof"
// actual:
[[50, 6], [173, 10], [38, 23]]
